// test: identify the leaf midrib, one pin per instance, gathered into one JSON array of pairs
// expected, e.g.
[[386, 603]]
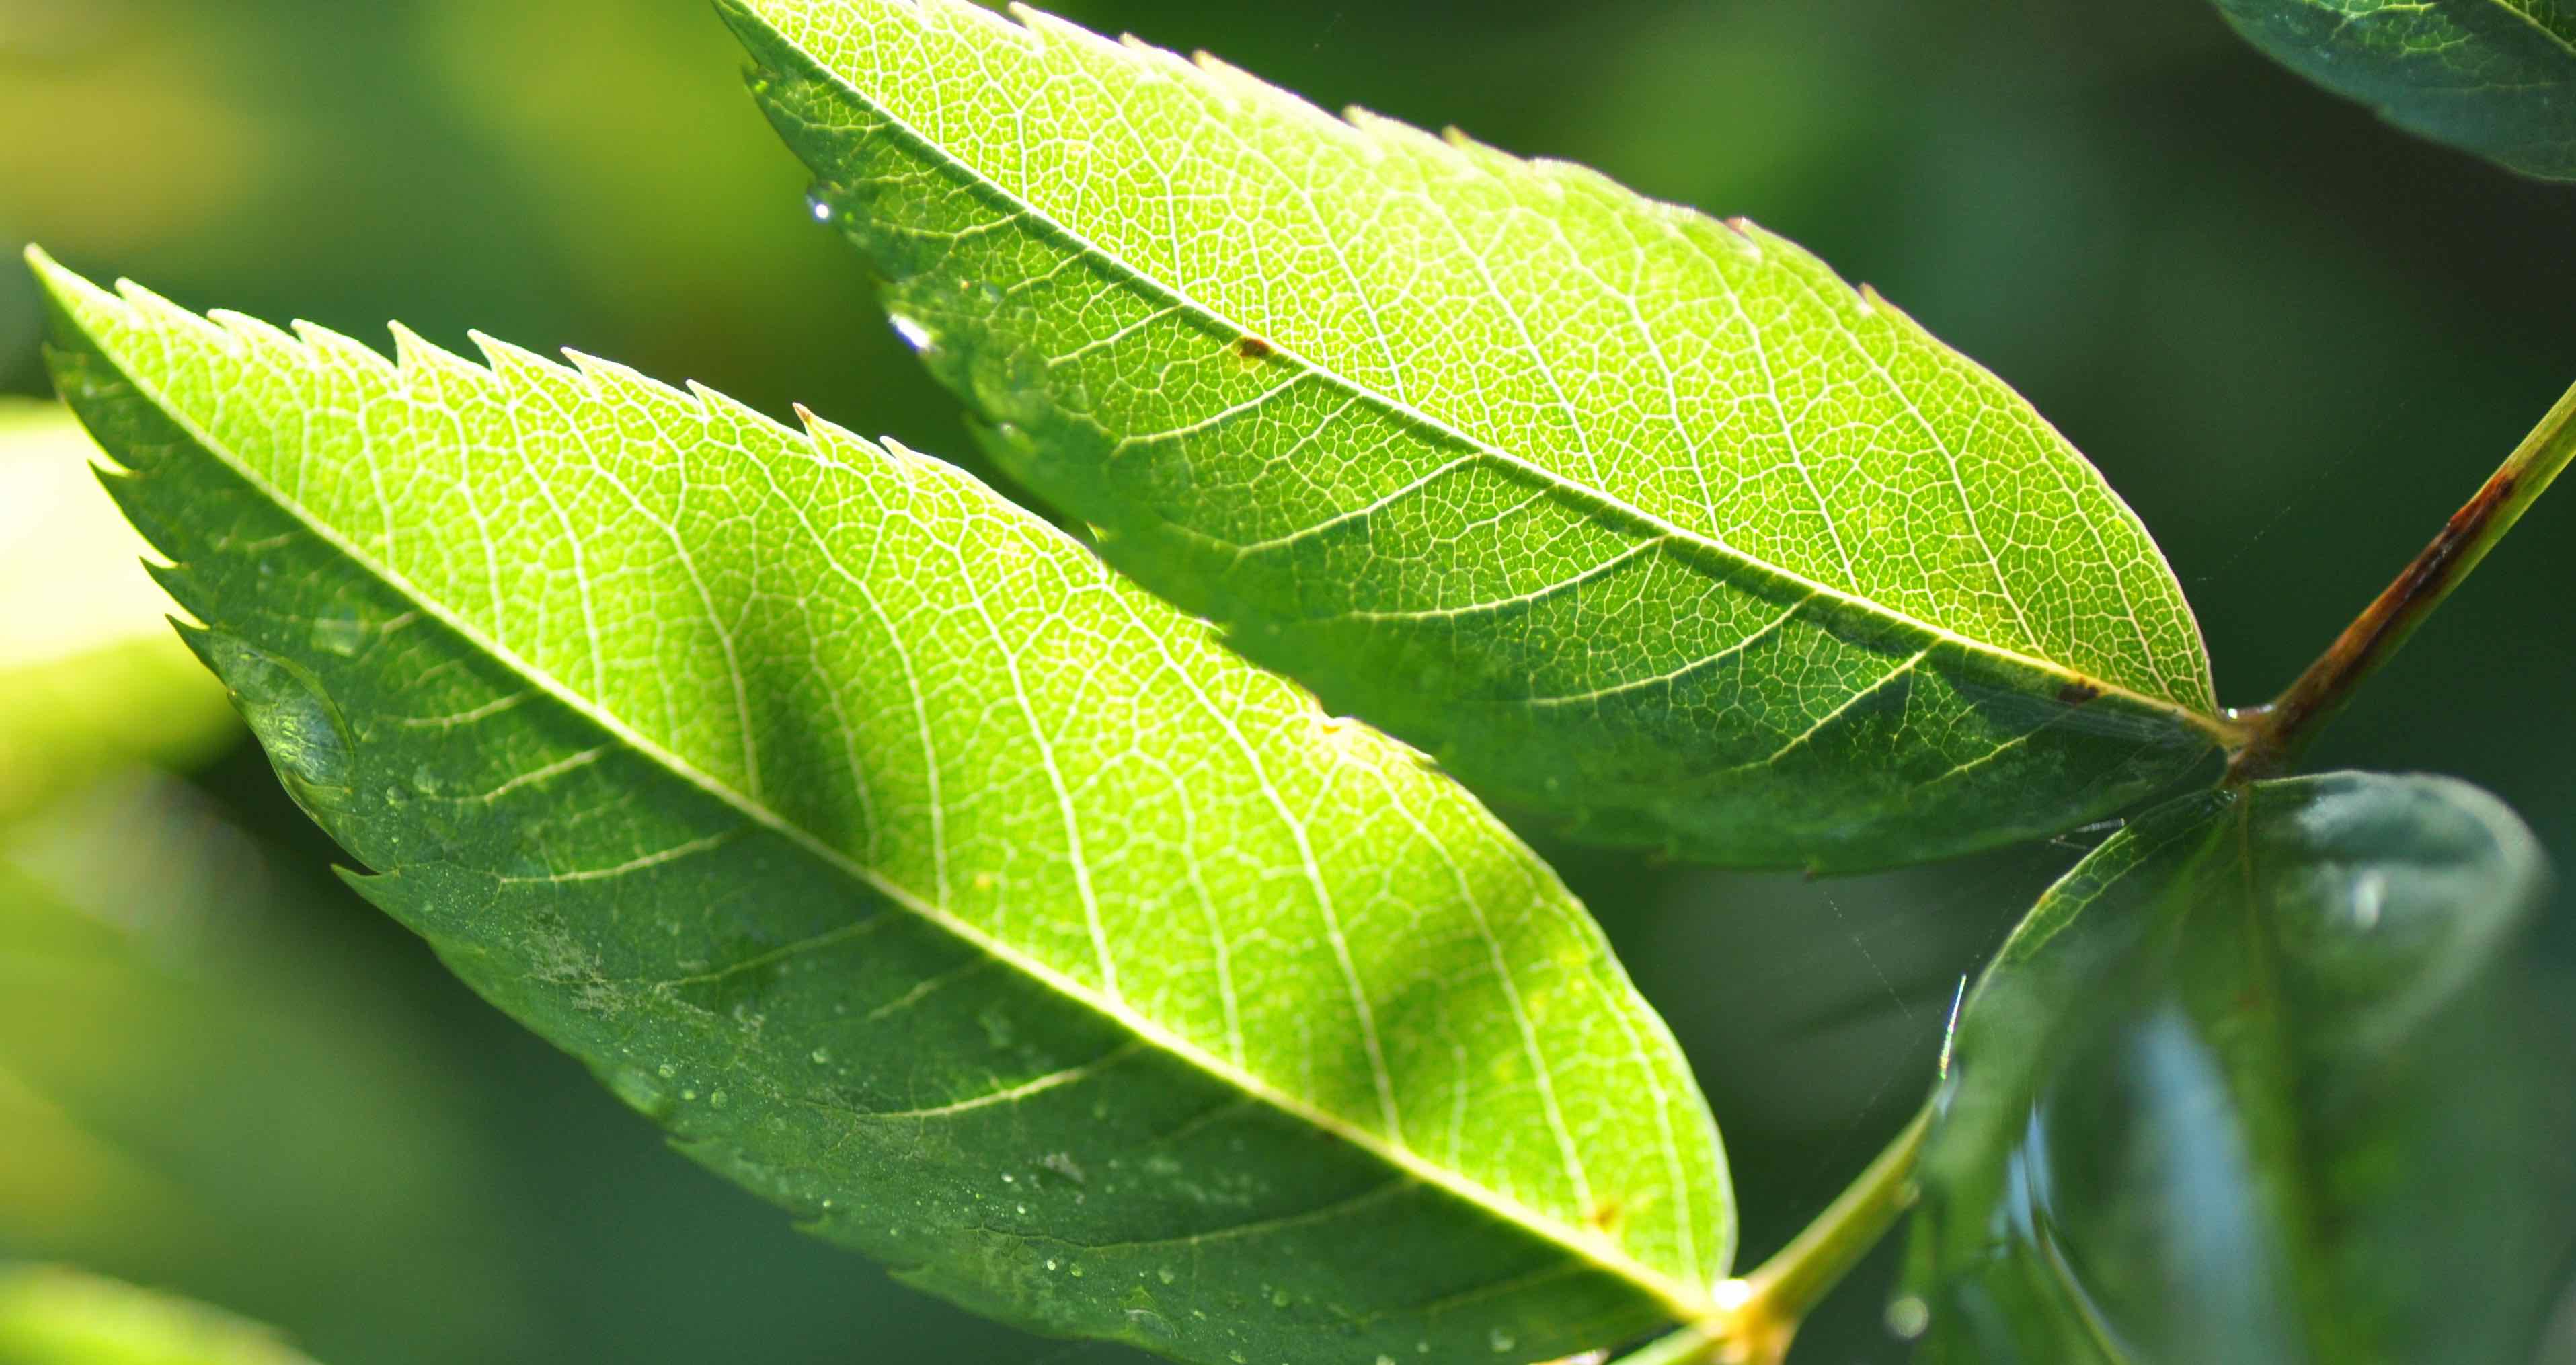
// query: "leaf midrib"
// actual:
[[1683, 1302], [2219, 730]]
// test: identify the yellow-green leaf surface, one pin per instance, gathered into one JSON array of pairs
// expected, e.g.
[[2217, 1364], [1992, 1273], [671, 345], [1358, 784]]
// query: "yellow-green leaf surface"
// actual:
[[90, 677], [1620, 511], [920, 874], [50, 1315]]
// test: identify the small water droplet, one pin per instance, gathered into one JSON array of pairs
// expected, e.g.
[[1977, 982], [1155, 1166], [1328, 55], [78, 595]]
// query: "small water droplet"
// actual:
[[424, 781], [717, 1099], [913, 333], [1501, 1340], [1278, 1298], [1385, 1359], [688, 1094], [340, 631], [822, 1056], [306, 738], [1050, 1263], [668, 1070], [1908, 1316], [818, 206], [640, 1092], [1165, 1275]]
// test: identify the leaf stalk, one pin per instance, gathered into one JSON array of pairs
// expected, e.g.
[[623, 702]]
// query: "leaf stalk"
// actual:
[[1759, 1313], [2281, 730]]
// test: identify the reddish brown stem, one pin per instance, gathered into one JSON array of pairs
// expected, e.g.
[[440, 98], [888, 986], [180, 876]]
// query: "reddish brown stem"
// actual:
[[2282, 729]]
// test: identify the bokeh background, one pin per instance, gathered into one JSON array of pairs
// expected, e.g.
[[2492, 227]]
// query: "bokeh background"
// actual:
[[2292, 337]]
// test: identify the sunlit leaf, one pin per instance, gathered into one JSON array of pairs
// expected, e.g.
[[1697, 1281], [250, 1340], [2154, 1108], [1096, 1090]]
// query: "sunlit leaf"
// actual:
[[2496, 77], [2258, 1081], [918, 873], [50, 1315], [90, 677], [1619, 511]]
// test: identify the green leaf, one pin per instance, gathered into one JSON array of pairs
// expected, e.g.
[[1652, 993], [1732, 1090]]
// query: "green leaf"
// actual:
[[1617, 510], [51, 1315], [921, 875], [2495, 77], [2258, 1081], [90, 678]]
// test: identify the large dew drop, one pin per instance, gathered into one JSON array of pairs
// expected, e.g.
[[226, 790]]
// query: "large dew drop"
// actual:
[[307, 740]]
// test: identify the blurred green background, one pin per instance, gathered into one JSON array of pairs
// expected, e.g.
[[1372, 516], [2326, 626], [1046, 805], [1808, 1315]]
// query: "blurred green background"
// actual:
[[2293, 338]]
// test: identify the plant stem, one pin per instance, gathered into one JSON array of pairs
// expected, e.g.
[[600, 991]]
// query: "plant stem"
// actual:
[[1689, 1346], [1759, 1313], [2282, 729]]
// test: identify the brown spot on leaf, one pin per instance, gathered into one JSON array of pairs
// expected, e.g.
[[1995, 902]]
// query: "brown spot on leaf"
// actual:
[[2077, 692], [1251, 347], [1605, 1216]]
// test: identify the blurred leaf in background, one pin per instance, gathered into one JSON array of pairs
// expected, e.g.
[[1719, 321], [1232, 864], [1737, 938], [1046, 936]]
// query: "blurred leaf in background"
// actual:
[[90, 674], [222, 1106], [50, 1315]]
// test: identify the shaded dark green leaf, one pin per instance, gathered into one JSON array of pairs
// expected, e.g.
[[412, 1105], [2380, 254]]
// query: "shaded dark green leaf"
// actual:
[[2495, 77], [2259, 1081]]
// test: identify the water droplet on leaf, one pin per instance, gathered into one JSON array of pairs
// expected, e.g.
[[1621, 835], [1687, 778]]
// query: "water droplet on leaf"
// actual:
[[640, 1092], [307, 740]]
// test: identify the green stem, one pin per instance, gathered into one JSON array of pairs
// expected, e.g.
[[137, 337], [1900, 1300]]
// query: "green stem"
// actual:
[[1689, 1346], [1758, 1314], [2284, 728]]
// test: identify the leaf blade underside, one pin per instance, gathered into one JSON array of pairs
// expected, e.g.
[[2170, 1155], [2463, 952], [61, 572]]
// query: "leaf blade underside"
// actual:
[[953, 894], [1621, 512], [2494, 77], [2260, 1079]]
